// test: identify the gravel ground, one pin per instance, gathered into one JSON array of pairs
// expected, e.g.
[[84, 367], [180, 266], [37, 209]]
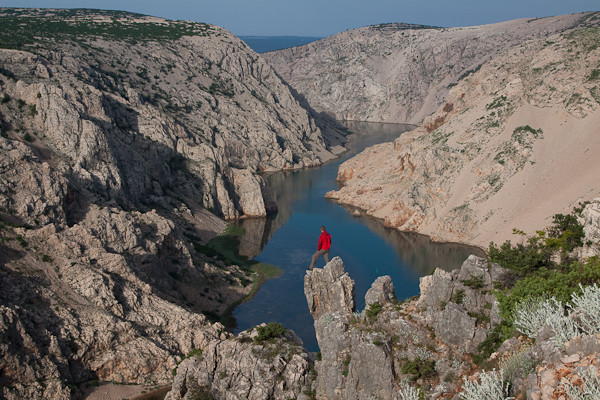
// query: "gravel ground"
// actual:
[[111, 391]]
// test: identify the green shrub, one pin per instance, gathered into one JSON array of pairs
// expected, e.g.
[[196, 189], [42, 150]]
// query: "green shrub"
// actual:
[[271, 331], [458, 296], [495, 338], [497, 103], [566, 233], [346, 365], [22, 241], [521, 257], [474, 282], [194, 353], [418, 368], [557, 283], [373, 310]]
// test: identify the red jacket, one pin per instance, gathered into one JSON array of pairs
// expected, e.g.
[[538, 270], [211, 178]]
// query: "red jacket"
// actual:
[[324, 241]]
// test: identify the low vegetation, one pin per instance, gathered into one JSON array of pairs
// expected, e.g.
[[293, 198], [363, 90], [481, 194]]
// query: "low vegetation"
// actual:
[[272, 330], [543, 268], [225, 248], [26, 28], [489, 386]]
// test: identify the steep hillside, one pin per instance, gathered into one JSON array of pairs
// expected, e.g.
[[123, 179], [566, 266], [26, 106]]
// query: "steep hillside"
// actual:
[[120, 136], [401, 72], [514, 143]]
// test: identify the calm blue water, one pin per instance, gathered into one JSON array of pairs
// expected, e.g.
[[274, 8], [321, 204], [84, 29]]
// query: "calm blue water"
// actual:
[[367, 249], [263, 44]]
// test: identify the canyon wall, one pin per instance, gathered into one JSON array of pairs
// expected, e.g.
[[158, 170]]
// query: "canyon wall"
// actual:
[[401, 72], [124, 140], [513, 144]]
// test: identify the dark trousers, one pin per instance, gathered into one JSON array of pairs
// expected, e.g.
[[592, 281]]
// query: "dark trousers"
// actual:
[[318, 254]]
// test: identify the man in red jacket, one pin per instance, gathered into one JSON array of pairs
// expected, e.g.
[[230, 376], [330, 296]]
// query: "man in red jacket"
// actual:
[[322, 248]]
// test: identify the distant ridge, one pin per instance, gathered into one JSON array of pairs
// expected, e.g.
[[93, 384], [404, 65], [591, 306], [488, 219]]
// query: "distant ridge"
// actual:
[[264, 44], [399, 26]]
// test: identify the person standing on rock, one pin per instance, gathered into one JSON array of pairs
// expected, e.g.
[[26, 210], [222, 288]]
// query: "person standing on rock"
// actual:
[[322, 248]]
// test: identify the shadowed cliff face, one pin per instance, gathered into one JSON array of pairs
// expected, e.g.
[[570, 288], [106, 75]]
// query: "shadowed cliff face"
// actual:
[[400, 72], [120, 137], [197, 113]]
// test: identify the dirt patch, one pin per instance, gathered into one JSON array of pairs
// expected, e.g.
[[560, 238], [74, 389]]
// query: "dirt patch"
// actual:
[[113, 391]]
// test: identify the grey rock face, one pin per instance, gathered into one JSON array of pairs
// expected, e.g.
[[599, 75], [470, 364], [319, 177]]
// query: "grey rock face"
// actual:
[[459, 176], [367, 355], [197, 129], [329, 289], [455, 328], [112, 153], [381, 291], [241, 369], [399, 72], [590, 219]]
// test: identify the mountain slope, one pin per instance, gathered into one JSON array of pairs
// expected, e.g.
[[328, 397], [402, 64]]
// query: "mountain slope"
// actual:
[[400, 72], [120, 136], [515, 143]]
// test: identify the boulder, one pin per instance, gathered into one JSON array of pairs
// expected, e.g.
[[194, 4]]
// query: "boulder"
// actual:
[[381, 291]]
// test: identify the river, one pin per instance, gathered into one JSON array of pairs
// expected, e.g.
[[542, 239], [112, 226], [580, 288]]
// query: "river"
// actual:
[[367, 248]]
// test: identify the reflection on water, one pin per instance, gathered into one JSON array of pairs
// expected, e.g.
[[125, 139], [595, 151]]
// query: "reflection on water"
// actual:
[[419, 251], [368, 249]]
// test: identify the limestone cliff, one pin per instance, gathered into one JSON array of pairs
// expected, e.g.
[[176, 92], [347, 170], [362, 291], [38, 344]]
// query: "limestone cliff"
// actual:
[[139, 107], [514, 143], [401, 72], [374, 353], [121, 136]]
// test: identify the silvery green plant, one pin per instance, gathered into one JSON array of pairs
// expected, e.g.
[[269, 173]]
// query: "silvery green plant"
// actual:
[[519, 362], [489, 386], [586, 308], [532, 315], [589, 390], [423, 353], [565, 328], [456, 364], [357, 316], [409, 393]]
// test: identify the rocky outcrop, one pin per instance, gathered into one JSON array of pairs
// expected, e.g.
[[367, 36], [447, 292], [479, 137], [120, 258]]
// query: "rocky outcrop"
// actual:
[[402, 72], [329, 290], [103, 299], [490, 159], [429, 340], [246, 368], [542, 370], [121, 137], [590, 219]]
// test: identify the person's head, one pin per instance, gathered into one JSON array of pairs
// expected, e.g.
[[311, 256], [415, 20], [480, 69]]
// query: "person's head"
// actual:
[[322, 228]]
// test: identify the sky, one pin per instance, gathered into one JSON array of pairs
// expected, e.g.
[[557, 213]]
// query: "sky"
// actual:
[[326, 17]]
